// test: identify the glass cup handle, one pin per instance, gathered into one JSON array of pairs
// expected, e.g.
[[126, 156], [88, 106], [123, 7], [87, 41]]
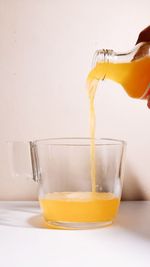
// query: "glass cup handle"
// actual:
[[34, 161], [22, 159]]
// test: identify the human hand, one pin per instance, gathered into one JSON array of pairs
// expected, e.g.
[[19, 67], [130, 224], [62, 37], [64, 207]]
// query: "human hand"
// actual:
[[144, 35]]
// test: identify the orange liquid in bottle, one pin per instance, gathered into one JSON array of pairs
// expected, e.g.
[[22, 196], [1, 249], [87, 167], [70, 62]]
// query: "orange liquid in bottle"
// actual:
[[134, 76]]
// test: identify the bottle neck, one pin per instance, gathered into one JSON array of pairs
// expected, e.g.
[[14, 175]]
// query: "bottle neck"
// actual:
[[110, 56], [101, 56]]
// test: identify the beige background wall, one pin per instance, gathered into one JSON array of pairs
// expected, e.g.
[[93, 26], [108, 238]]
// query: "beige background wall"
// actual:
[[46, 49]]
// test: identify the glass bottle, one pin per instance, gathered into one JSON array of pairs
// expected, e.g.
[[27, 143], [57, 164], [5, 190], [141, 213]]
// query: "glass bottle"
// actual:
[[131, 69]]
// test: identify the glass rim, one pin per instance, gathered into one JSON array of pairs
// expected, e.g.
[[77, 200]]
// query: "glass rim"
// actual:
[[80, 141]]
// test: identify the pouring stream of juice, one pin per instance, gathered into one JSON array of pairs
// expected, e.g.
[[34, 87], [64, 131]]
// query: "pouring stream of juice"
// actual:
[[92, 86], [134, 77]]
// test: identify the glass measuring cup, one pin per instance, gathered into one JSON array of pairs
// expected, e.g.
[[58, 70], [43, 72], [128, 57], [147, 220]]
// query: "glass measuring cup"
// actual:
[[61, 166]]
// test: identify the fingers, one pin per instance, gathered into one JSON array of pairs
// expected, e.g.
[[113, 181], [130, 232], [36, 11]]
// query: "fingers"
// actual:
[[144, 36], [148, 103]]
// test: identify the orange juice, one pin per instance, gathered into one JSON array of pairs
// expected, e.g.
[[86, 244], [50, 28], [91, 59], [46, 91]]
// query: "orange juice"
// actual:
[[134, 76], [79, 207], [91, 91], [95, 206]]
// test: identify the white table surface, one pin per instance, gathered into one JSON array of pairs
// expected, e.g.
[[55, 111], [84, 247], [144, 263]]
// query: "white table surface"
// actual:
[[26, 242]]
